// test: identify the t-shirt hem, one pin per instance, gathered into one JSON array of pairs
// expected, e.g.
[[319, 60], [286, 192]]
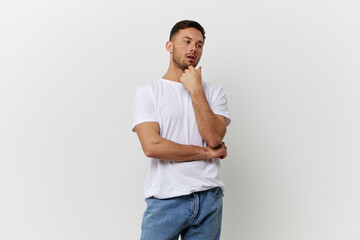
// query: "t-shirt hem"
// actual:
[[141, 121], [180, 193]]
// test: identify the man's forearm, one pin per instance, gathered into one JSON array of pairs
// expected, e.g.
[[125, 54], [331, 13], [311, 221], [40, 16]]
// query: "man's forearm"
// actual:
[[164, 149], [211, 129], [155, 146]]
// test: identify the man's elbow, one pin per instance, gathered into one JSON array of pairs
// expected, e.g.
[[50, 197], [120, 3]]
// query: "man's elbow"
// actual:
[[215, 138], [214, 142], [149, 154], [150, 141], [150, 150]]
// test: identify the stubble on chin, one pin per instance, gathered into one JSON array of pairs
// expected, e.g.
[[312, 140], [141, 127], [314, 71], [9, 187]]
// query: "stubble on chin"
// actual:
[[182, 65]]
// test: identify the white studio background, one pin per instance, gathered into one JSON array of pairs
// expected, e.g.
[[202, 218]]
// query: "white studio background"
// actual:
[[70, 167]]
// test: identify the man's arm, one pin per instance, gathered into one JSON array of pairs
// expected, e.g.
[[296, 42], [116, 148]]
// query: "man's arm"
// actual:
[[212, 127], [155, 146]]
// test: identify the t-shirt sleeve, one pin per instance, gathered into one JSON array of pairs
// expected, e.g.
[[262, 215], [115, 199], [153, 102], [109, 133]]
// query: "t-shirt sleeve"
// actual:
[[219, 104], [144, 107]]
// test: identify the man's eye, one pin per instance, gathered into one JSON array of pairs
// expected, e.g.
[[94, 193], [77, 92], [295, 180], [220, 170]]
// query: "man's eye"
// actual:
[[187, 41], [200, 46]]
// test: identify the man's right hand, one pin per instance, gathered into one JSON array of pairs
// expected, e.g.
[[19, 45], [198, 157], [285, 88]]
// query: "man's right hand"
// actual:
[[218, 152]]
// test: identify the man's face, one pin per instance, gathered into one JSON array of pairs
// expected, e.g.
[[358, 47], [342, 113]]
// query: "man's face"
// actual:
[[187, 48]]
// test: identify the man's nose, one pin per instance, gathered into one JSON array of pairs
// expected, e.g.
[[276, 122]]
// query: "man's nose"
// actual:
[[193, 47]]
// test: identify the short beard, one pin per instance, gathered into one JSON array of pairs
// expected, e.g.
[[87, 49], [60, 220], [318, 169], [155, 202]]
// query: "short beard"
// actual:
[[181, 65]]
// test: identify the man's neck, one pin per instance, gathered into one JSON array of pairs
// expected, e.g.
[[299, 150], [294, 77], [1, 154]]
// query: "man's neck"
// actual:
[[173, 73]]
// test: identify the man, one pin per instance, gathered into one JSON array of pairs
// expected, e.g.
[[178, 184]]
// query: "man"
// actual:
[[181, 121]]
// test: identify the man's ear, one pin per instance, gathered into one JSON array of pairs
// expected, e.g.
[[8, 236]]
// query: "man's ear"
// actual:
[[169, 46]]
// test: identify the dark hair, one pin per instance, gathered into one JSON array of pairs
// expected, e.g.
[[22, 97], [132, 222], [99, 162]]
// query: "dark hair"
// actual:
[[186, 24]]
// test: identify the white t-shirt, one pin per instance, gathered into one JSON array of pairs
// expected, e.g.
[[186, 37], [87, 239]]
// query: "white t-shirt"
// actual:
[[169, 104]]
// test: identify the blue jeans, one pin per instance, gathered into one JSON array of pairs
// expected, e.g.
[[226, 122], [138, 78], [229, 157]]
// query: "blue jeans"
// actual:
[[196, 216]]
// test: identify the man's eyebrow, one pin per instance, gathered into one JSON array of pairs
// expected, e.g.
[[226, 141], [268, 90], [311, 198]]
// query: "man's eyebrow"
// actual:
[[191, 39]]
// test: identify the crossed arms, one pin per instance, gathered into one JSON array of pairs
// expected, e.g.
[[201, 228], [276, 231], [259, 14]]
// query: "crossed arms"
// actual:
[[212, 129]]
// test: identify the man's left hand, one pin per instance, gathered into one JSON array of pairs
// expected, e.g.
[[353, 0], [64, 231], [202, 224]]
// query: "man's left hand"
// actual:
[[191, 79]]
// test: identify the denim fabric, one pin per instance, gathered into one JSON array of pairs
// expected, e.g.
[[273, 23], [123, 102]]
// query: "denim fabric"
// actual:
[[196, 216]]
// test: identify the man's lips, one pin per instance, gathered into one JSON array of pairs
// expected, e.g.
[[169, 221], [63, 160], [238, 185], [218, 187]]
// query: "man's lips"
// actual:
[[191, 57]]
